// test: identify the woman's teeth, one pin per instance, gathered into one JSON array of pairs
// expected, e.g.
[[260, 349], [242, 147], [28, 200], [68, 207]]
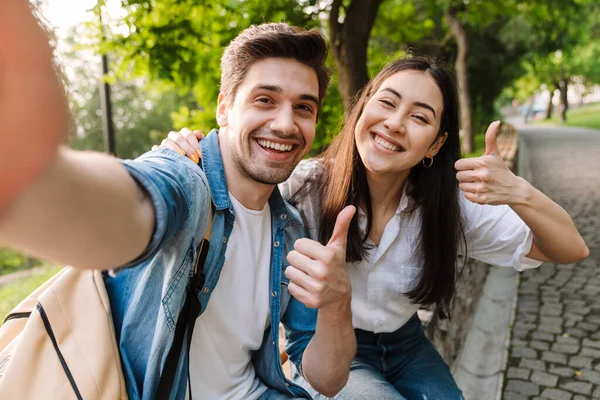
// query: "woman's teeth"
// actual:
[[385, 143], [276, 146]]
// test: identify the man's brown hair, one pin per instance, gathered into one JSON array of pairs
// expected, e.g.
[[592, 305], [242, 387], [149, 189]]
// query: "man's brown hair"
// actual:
[[281, 40]]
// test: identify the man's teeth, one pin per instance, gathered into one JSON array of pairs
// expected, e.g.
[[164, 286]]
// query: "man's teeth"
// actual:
[[276, 146], [386, 144]]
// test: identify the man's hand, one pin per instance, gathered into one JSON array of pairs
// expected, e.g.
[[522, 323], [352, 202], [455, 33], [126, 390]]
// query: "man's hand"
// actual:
[[318, 273], [487, 179], [33, 106]]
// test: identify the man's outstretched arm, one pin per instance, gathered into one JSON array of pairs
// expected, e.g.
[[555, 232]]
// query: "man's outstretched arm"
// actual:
[[77, 208]]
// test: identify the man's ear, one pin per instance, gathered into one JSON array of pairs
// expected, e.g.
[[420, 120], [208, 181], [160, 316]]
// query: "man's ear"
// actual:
[[437, 145], [222, 109]]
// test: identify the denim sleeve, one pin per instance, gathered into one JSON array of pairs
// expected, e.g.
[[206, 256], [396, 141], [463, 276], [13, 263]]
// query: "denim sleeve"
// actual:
[[171, 181], [300, 323]]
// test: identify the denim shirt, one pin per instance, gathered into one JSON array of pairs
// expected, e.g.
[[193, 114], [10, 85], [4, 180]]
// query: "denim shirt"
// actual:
[[147, 296]]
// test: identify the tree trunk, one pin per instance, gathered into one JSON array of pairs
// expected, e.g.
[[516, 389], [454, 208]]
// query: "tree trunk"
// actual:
[[550, 108], [564, 101], [466, 119], [349, 40]]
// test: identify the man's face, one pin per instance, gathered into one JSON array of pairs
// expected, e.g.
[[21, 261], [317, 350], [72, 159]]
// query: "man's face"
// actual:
[[271, 124]]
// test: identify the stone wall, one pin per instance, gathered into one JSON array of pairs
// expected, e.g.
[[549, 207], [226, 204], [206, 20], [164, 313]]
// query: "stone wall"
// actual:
[[448, 336]]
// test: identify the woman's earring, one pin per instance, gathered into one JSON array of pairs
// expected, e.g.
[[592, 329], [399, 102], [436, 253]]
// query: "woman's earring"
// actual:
[[430, 162]]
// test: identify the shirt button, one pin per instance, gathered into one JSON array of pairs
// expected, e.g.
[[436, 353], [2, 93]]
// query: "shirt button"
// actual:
[[206, 290], [283, 216], [274, 294], [224, 240], [276, 244], [287, 384]]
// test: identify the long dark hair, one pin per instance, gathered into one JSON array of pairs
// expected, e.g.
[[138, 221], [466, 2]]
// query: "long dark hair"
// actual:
[[434, 190]]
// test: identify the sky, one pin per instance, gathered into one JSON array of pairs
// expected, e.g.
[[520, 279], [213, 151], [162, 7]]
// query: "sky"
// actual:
[[63, 14]]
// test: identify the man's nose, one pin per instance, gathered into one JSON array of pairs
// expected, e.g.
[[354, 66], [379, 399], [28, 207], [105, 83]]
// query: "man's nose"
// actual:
[[284, 121]]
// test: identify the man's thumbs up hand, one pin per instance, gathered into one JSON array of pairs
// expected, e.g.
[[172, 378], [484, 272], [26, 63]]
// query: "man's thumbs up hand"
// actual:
[[317, 273]]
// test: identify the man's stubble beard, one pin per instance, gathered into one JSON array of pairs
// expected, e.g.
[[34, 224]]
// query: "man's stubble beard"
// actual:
[[265, 175]]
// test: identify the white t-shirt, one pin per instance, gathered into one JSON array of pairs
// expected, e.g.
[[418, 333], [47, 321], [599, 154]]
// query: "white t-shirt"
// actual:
[[494, 234], [237, 315]]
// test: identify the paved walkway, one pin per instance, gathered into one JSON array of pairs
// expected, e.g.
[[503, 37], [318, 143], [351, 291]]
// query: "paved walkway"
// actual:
[[555, 345]]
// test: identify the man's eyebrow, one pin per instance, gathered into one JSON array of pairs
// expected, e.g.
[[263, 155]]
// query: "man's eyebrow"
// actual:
[[278, 89], [309, 97], [416, 103]]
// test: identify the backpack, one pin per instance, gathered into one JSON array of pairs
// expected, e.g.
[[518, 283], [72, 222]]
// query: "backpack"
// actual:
[[60, 341]]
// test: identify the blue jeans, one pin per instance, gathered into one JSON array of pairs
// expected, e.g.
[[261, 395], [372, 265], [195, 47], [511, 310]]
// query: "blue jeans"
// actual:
[[398, 365]]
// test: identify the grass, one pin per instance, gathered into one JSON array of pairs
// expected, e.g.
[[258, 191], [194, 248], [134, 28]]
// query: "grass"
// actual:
[[12, 293], [587, 116]]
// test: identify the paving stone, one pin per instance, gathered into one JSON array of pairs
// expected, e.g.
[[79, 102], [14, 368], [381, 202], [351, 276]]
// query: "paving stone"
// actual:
[[554, 357], [514, 396], [587, 326], [582, 310], [519, 373], [551, 320], [521, 351], [570, 316], [528, 388], [532, 364], [520, 333], [543, 336], [565, 348], [580, 362], [550, 328], [576, 332], [562, 371], [590, 376], [558, 306], [591, 343], [544, 379], [564, 339], [537, 345], [577, 387], [588, 351], [556, 394], [553, 311]]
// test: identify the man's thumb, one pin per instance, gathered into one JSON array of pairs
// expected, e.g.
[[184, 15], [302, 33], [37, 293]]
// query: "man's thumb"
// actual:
[[342, 223], [491, 147]]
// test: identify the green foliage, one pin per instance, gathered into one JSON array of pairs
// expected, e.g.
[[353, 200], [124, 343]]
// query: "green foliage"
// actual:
[[142, 112], [181, 42], [11, 261]]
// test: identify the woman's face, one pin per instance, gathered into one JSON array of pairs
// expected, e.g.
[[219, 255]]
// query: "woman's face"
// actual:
[[400, 122]]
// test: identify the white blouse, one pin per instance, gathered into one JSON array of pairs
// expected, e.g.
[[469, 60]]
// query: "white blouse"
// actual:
[[494, 234]]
